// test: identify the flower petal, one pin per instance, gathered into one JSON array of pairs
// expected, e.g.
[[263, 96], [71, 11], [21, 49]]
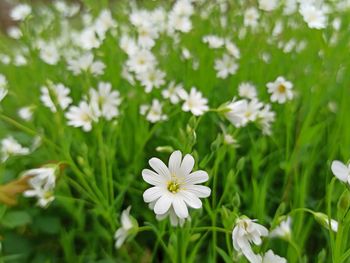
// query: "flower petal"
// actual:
[[191, 199], [199, 190], [175, 162], [159, 167], [180, 207], [152, 194], [187, 164], [163, 204], [152, 178], [340, 170], [197, 177]]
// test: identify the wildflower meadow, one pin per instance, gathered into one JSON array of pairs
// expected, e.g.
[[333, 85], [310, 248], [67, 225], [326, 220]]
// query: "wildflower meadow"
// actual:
[[175, 131]]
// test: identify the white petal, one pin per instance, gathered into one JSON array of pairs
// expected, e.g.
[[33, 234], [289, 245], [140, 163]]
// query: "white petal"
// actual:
[[187, 164], [180, 207], [197, 177], [199, 190], [163, 204], [340, 170], [152, 194], [175, 162], [159, 167], [152, 177], [191, 199]]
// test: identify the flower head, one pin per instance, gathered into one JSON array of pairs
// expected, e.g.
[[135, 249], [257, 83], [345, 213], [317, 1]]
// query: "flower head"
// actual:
[[128, 223], [81, 116], [281, 90], [175, 186], [10, 147], [341, 171], [194, 102]]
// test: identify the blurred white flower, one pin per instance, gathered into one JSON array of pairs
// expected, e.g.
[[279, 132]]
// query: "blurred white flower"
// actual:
[[128, 223], [225, 66], [49, 54], [194, 102], [172, 92], [10, 147], [152, 78], [265, 118], [175, 186], [86, 63], [268, 5], [213, 41], [153, 112], [314, 17], [55, 95], [42, 184], [235, 113], [270, 257], [81, 116], [245, 233], [14, 32], [251, 17], [341, 171], [283, 230], [26, 113], [247, 90], [280, 90], [141, 61], [20, 12], [105, 101]]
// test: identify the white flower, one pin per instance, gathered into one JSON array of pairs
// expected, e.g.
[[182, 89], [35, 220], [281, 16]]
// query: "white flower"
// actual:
[[268, 5], [270, 257], [175, 186], [213, 41], [341, 171], [172, 92], [174, 219], [251, 17], [104, 22], [283, 230], [252, 110], [244, 234], [42, 184], [194, 102], [154, 112], [141, 61], [10, 147], [235, 113], [105, 101], [55, 94], [280, 90], [88, 39], [26, 113], [49, 54], [314, 17], [225, 66], [265, 118], [86, 63], [81, 116], [14, 32], [128, 223], [247, 90], [152, 78], [20, 12], [147, 33]]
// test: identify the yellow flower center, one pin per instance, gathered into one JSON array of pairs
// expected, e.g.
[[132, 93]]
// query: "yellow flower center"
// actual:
[[281, 88], [173, 186]]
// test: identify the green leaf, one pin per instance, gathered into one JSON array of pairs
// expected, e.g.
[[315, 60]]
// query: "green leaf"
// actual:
[[224, 255], [14, 219]]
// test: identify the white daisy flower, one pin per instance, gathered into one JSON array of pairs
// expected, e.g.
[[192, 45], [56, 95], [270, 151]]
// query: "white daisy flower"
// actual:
[[213, 41], [142, 61], [81, 116], [251, 17], [175, 186], [20, 12], [128, 223], [245, 233], [225, 66], [280, 90], [194, 102], [42, 184], [86, 63], [10, 147], [153, 112], [235, 113], [105, 101], [341, 171], [26, 113], [172, 92], [151, 78], [247, 90], [49, 54], [314, 17], [55, 95]]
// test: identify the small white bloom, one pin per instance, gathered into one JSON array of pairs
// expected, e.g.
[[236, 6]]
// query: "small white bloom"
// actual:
[[283, 230], [251, 17], [81, 116], [88, 39], [105, 101], [152, 78], [265, 118], [26, 113], [14, 32], [247, 90], [268, 5], [86, 63], [236, 113], [128, 223], [172, 92], [175, 185], [194, 102], [270, 257], [225, 66], [341, 171], [55, 95], [213, 41], [154, 112], [20, 12], [314, 17], [142, 61], [10, 147], [49, 54], [42, 184], [245, 233], [280, 90]]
